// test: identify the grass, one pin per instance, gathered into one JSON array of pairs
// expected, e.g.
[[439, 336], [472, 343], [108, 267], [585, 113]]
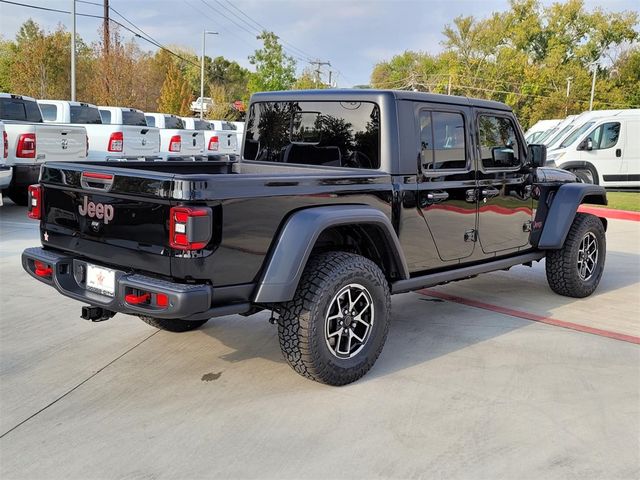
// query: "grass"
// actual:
[[624, 201]]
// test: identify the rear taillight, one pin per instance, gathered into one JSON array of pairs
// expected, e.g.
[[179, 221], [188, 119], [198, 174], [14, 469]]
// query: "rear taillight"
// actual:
[[175, 144], [214, 143], [35, 201], [5, 142], [26, 145], [116, 141], [190, 227]]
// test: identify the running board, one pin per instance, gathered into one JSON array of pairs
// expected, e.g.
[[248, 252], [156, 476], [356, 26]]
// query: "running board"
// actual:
[[411, 284]]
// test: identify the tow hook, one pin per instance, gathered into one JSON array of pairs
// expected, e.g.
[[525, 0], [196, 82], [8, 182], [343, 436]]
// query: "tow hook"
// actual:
[[96, 314]]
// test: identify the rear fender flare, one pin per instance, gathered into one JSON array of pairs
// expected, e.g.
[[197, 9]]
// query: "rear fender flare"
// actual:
[[297, 238], [563, 210]]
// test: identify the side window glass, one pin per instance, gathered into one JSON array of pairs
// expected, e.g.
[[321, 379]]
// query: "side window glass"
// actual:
[[498, 142], [426, 140], [151, 121], [448, 141], [607, 136]]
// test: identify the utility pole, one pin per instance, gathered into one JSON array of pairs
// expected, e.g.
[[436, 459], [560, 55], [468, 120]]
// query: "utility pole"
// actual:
[[319, 64], [593, 85], [105, 27], [330, 73], [204, 36], [566, 106], [73, 50]]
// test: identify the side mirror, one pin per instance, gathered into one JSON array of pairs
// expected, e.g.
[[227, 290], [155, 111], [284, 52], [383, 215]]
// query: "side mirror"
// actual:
[[537, 155], [589, 144], [586, 144]]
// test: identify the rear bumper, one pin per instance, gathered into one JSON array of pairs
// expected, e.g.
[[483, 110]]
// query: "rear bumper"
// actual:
[[185, 301], [5, 177]]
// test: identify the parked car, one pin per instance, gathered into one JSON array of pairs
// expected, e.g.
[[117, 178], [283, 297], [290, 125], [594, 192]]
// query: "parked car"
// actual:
[[220, 142], [30, 142], [603, 151], [5, 170], [135, 140], [201, 104], [317, 223], [239, 134], [106, 141], [176, 143], [539, 128]]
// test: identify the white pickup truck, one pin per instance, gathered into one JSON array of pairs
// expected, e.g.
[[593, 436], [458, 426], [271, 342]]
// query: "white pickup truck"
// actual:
[[203, 104], [106, 141], [30, 143], [5, 170], [219, 142], [176, 143], [135, 140]]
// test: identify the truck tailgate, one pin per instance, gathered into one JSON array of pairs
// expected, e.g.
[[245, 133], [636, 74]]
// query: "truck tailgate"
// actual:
[[118, 219], [60, 142], [140, 141]]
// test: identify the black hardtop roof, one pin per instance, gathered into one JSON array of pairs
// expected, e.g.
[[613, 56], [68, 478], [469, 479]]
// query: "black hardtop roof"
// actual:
[[346, 94]]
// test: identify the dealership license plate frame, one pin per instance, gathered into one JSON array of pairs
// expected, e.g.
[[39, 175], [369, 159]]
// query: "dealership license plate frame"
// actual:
[[101, 280]]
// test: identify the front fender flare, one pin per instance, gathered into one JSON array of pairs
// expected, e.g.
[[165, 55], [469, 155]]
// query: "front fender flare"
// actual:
[[283, 268], [563, 210]]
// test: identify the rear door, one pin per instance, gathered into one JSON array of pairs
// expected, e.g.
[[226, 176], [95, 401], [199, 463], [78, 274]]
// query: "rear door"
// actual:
[[447, 179], [504, 188]]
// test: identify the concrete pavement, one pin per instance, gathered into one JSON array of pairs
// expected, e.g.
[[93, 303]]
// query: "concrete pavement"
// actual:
[[458, 392]]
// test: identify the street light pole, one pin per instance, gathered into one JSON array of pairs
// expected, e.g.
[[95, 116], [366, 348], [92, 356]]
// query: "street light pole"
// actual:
[[593, 85], [73, 50], [204, 35]]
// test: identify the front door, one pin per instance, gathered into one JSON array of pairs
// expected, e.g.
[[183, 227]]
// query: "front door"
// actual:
[[445, 178], [505, 206], [603, 149]]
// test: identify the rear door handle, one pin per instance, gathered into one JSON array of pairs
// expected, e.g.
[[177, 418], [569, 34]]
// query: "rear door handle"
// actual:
[[490, 192], [437, 196]]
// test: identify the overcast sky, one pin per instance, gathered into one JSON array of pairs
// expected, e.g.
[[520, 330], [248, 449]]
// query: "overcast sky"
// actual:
[[351, 34]]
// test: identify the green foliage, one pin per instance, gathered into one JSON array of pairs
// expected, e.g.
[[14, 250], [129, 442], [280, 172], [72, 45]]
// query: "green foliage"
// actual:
[[523, 57], [175, 96], [275, 70], [309, 81]]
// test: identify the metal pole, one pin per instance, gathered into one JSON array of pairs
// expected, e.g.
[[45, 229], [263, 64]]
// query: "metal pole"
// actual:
[[593, 86], [204, 34], [73, 51], [566, 105]]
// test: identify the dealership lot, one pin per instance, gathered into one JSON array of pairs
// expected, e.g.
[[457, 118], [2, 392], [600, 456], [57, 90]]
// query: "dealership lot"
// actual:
[[461, 390]]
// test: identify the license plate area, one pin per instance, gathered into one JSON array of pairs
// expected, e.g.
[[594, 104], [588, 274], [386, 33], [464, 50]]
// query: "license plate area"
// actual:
[[101, 280]]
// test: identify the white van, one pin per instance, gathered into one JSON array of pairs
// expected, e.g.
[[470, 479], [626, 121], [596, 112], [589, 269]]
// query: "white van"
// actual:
[[603, 150], [539, 128]]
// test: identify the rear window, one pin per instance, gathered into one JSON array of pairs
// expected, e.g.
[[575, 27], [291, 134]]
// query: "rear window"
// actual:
[[201, 125], [133, 117], [49, 112], [20, 110], [343, 134], [173, 122], [85, 114], [151, 121], [228, 126]]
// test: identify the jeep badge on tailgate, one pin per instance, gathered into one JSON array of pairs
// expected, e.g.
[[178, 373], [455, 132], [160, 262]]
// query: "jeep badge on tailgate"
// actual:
[[96, 210]]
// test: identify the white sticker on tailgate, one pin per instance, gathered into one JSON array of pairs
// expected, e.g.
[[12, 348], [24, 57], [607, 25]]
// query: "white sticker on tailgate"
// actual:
[[101, 280]]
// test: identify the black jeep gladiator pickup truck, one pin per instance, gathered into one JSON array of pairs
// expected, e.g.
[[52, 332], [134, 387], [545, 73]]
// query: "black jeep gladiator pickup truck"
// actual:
[[341, 198]]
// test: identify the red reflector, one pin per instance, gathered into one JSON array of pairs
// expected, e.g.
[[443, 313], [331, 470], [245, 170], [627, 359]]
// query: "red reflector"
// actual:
[[34, 205], [100, 176], [162, 300], [137, 299], [42, 269]]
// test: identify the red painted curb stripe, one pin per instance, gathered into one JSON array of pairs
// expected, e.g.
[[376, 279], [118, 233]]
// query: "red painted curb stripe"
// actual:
[[610, 213], [531, 316]]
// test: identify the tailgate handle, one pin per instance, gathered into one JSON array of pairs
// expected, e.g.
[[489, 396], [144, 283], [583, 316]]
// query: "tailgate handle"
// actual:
[[96, 181], [144, 131]]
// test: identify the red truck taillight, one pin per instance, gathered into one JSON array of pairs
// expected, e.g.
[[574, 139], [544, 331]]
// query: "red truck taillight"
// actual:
[[214, 143], [26, 145], [35, 201], [5, 142], [116, 141], [190, 227], [175, 144]]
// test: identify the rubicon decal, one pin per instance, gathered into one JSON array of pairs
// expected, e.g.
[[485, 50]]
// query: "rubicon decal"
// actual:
[[96, 210]]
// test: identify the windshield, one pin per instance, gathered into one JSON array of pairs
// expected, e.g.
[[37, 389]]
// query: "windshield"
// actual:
[[85, 114], [547, 134], [19, 109], [559, 136], [573, 136]]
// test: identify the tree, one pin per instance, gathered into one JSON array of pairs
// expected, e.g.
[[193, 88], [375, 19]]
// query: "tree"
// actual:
[[175, 96], [308, 81], [274, 69]]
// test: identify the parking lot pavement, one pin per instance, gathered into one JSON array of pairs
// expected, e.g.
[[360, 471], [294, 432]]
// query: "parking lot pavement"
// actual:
[[458, 392]]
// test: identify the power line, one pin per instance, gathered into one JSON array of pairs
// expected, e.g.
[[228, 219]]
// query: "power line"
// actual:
[[101, 17]]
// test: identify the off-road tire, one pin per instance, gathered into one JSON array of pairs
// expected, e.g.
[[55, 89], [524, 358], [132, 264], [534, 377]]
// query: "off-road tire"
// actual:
[[301, 324], [561, 265], [173, 324]]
